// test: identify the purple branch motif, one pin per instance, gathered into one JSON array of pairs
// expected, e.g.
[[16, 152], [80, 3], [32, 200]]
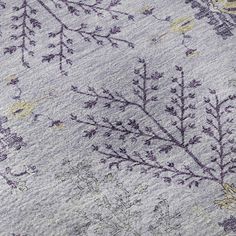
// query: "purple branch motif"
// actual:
[[8, 141], [181, 113], [221, 16], [26, 24]]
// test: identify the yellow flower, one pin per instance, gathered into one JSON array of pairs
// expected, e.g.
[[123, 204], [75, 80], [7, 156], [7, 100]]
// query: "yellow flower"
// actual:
[[11, 79], [229, 201], [227, 6], [192, 53], [182, 25], [60, 126], [21, 109], [108, 177], [22, 186], [146, 10], [57, 124]]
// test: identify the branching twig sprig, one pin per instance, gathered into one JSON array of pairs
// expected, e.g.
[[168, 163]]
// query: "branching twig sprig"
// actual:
[[182, 108], [219, 127], [63, 47], [79, 7], [148, 162], [128, 129], [25, 24], [144, 87], [95, 35]]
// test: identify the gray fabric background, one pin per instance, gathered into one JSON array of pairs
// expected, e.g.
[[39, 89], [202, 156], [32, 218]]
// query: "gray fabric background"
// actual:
[[63, 190]]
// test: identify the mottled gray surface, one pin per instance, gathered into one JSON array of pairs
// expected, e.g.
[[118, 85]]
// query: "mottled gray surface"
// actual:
[[65, 188]]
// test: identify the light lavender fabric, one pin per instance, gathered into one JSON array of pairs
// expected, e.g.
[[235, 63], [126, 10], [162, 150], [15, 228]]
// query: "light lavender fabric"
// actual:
[[117, 117]]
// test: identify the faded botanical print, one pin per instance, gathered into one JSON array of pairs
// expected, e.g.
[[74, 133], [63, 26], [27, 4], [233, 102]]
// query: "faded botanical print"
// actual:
[[117, 118], [25, 25]]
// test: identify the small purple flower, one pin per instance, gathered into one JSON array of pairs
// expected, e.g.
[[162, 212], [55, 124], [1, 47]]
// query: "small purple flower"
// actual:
[[150, 155], [13, 81], [229, 224], [157, 75], [115, 30], [148, 12]]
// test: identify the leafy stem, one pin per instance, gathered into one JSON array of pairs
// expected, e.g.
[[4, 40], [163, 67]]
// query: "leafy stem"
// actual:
[[181, 108]]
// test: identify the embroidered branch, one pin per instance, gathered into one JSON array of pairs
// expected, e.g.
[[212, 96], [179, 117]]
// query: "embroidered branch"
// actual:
[[181, 108], [26, 24]]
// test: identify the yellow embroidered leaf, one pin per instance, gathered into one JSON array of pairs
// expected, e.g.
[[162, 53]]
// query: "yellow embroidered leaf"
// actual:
[[227, 6], [229, 200], [21, 109], [182, 25]]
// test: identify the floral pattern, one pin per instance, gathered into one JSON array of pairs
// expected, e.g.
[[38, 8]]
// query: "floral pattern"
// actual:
[[182, 108], [117, 117], [25, 26]]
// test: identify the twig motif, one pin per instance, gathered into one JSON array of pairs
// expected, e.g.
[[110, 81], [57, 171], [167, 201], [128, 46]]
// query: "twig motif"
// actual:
[[182, 109], [219, 129], [76, 8], [64, 48], [27, 24]]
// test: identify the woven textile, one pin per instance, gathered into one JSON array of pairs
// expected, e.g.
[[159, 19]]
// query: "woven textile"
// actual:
[[117, 118]]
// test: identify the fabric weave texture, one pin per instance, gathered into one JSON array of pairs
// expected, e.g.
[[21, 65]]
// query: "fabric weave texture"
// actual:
[[118, 118]]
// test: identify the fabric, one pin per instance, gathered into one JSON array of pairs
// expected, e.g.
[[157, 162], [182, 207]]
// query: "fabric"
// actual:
[[117, 117]]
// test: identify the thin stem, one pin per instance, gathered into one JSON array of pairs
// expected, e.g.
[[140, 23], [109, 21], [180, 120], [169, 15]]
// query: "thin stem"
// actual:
[[144, 86], [92, 7], [170, 138], [182, 128], [23, 46], [220, 139], [157, 166], [124, 130], [79, 30], [177, 143], [61, 47]]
